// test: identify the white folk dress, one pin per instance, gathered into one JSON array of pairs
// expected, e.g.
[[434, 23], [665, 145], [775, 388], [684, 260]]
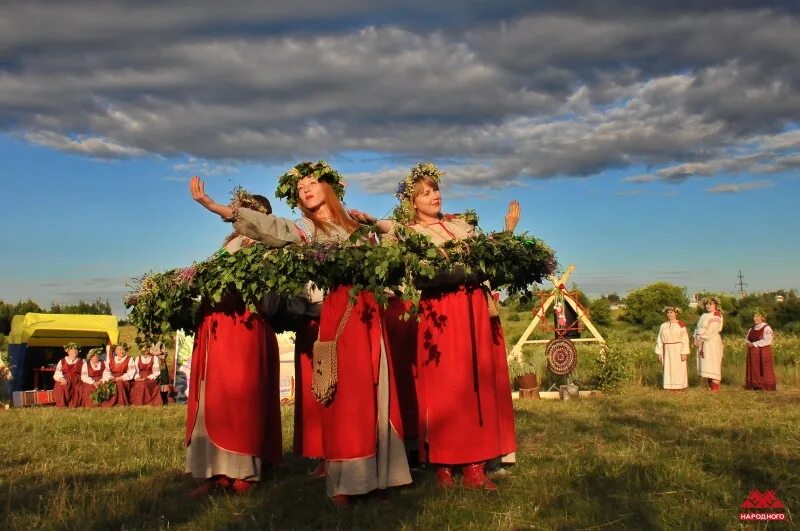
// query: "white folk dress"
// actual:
[[709, 354], [671, 344]]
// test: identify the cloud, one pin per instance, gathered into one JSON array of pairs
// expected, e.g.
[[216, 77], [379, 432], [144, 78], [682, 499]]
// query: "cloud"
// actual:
[[500, 92], [735, 188], [100, 148]]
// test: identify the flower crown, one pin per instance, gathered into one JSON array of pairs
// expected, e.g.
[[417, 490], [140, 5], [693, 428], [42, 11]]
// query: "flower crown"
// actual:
[[715, 300], [124, 345], [758, 311], [666, 309], [320, 170], [404, 212], [245, 199], [71, 345], [94, 352]]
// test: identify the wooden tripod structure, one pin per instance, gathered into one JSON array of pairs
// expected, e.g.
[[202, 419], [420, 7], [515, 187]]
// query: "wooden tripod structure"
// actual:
[[559, 288]]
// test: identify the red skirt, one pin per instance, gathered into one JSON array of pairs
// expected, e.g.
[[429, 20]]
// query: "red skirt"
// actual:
[[69, 395], [236, 357], [350, 421], [307, 410], [146, 393], [402, 367], [760, 370], [466, 411]]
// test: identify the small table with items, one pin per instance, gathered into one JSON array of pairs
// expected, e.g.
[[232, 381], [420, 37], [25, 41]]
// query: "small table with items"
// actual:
[[41, 375]]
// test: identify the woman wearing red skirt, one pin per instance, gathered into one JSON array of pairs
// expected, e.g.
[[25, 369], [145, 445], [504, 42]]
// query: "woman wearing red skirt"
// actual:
[[760, 371], [362, 451], [233, 424], [67, 378], [466, 414], [91, 376], [146, 390], [120, 368]]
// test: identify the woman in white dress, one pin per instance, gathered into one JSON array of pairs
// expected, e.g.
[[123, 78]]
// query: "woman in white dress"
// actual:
[[709, 343], [672, 348]]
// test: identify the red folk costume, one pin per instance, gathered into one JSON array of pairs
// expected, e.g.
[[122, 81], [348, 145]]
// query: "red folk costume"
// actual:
[[233, 423], [119, 368], [307, 409], [145, 390], [760, 369], [362, 448], [92, 372], [466, 411], [403, 366], [69, 394]]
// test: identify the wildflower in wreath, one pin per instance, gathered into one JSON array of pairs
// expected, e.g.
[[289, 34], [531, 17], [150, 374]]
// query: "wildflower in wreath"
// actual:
[[321, 170], [404, 212]]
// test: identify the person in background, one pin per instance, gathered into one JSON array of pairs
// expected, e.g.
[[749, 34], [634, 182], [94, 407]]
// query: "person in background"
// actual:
[[672, 348], [760, 369], [708, 341], [91, 376], [121, 369], [67, 378], [145, 390]]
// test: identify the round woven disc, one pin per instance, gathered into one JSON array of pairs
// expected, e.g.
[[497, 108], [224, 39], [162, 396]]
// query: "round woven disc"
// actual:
[[561, 356]]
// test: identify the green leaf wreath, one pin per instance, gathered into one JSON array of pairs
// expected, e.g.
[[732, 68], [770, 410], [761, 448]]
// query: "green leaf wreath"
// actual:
[[103, 392], [163, 302]]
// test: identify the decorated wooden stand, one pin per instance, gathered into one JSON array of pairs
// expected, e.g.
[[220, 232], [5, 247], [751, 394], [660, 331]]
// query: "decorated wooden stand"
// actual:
[[560, 351]]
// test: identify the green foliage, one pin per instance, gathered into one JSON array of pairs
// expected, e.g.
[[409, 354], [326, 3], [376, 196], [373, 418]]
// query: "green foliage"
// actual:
[[8, 311], [103, 392], [162, 302], [98, 307], [600, 312], [518, 367], [611, 368], [644, 305]]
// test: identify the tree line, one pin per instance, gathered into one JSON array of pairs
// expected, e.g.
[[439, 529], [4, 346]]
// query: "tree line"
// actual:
[[8, 310]]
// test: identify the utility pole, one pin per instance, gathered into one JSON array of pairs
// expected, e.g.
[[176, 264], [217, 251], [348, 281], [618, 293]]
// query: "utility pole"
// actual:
[[741, 284]]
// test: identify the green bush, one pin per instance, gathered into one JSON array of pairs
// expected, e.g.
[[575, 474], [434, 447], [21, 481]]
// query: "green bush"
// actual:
[[611, 368], [600, 312], [644, 305]]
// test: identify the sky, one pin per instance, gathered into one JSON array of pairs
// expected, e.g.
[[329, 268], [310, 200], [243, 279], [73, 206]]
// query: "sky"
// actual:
[[645, 142]]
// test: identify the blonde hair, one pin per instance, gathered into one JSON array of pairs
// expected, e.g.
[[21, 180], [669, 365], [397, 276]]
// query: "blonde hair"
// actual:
[[419, 186]]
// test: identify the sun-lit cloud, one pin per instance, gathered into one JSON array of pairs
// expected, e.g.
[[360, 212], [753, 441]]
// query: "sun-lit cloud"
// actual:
[[735, 188]]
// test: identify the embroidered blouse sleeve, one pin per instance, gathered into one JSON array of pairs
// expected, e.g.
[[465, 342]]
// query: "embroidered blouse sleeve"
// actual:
[[156, 369], [659, 342], [58, 375], [766, 340], [131, 372], [685, 350], [85, 373], [268, 229]]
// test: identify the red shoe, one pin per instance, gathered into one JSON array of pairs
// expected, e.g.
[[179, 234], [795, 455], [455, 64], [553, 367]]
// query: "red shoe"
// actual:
[[223, 482], [320, 471], [444, 477], [475, 478], [341, 500], [240, 486], [715, 387], [205, 488]]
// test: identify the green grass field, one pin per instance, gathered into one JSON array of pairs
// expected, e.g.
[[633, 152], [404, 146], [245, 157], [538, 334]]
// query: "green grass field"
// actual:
[[639, 459]]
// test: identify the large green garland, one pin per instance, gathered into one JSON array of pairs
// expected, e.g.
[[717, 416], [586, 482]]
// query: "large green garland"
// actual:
[[163, 302]]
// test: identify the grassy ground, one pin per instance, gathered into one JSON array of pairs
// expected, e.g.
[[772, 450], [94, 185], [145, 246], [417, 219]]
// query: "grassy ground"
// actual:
[[640, 459]]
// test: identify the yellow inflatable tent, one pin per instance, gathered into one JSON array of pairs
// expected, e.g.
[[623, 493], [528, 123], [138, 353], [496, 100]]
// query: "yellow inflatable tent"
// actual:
[[54, 329], [36, 340]]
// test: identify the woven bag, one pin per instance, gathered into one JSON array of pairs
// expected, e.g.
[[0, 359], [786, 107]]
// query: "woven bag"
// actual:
[[325, 375]]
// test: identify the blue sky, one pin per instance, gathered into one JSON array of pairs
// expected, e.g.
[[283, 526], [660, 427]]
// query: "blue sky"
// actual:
[[639, 150]]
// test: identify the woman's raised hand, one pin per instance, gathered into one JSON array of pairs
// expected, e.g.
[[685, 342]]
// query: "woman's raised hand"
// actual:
[[198, 189], [512, 216]]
